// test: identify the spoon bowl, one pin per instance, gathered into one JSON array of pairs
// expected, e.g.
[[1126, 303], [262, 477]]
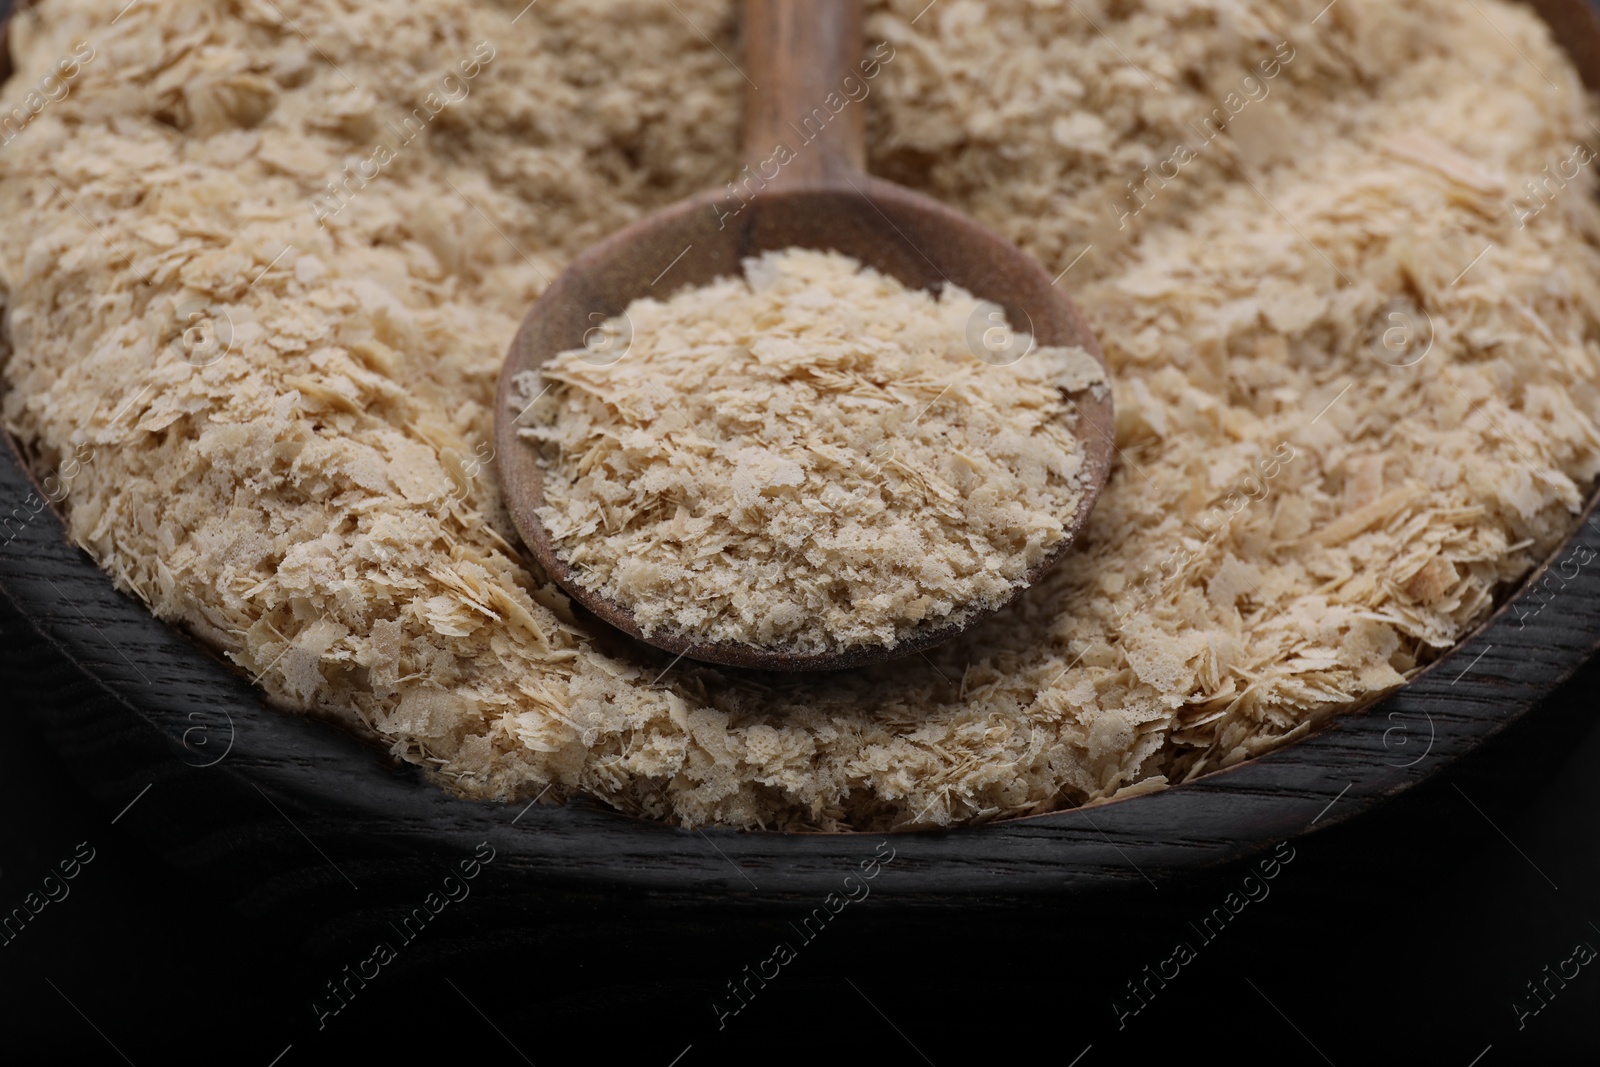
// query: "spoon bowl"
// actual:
[[820, 199]]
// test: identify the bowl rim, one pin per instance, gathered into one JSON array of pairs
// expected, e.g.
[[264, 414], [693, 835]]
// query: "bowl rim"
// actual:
[[159, 681]]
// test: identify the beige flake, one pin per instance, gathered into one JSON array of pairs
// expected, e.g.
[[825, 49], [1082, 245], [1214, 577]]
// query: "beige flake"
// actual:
[[319, 504], [809, 458]]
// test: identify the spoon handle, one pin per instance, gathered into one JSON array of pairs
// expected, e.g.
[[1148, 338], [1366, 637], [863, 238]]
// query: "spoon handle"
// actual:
[[805, 112]]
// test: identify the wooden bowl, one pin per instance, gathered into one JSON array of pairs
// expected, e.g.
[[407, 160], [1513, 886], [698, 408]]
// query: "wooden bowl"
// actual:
[[285, 815]]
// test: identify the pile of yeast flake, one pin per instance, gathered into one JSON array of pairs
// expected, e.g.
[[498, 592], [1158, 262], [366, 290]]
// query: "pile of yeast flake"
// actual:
[[1354, 342], [809, 458]]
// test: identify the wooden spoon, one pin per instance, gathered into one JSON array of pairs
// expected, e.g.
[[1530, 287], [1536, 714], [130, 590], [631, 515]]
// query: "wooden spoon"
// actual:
[[804, 185]]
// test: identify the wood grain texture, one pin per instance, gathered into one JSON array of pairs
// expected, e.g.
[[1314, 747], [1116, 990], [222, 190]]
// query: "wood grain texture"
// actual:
[[798, 55], [279, 815]]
